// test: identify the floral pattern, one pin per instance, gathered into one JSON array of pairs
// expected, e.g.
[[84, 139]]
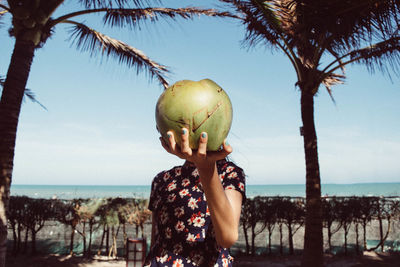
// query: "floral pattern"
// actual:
[[185, 233]]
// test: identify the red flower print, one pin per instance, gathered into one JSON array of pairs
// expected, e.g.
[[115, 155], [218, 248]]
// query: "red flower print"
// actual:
[[164, 217], [171, 186], [192, 203], [162, 259], [197, 259], [191, 237], [199, 222], [232, 175], [167, 175], [178, 171], [195, 173], [196, 189], [241, 186], [178, 248], [177, 263], [229, 187], [229, 169], [179, 226], [184, 216], [185, 182], [184, 192], [171, 198], [197, 219], [179, 212], [168, 233]]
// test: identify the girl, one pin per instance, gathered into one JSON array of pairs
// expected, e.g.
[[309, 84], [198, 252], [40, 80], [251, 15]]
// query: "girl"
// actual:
[[196, 207]]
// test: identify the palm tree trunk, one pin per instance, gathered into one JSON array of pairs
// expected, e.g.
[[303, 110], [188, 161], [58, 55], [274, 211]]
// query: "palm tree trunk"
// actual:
[[330, 237], [89, 252], [26, 240], [290, 233], [280, 239], [380, 230], [365, 236], [346, 232], [15, 238], [246, 237], [102, 240], [71, 244], [19, 237], [269, 242], [10, 106], [108, 238], [33, 245], [313, 242], [357, 236], [125, 235]]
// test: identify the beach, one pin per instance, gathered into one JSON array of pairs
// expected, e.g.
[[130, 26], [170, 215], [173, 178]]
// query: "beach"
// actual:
[[59, 235], [368, 259], [53, 241]]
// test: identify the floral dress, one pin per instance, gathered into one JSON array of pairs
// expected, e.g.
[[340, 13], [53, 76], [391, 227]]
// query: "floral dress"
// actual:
[[184, 235]]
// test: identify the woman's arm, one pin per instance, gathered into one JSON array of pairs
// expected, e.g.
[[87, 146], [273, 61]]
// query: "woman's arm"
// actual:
[[225, 208], [224, 205]]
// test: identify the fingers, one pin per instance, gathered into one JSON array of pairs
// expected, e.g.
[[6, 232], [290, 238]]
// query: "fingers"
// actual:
[[221, 154], [227, 147], [202, 150], [185, 152], [169, 145], [171, 140], [185, 148]]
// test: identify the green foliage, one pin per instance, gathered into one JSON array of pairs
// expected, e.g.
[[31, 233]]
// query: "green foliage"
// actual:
[[259, 214], [338, 213]]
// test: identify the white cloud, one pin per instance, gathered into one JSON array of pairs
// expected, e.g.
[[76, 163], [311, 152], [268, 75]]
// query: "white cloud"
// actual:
[[80, 155], [76, 157]]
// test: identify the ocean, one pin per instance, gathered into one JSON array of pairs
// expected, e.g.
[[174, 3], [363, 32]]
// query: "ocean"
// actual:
[[143, 191]]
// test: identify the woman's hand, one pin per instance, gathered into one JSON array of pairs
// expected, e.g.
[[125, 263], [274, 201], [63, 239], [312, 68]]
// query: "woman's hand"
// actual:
[[203, 159]]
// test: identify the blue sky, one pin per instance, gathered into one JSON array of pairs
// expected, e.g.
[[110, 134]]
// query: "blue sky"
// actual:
[[100, 128]]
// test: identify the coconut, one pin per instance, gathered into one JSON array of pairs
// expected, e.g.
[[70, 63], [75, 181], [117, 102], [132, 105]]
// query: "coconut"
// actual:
[[201, 106]]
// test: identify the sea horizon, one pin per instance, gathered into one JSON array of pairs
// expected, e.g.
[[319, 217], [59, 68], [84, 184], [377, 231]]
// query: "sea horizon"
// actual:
[[143, 191]]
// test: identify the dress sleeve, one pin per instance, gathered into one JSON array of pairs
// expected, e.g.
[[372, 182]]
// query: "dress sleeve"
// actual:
[[233, 177], [154, 194]]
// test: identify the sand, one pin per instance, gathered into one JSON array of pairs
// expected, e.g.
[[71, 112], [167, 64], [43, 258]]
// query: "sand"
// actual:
[[59, 233], [368, 259]]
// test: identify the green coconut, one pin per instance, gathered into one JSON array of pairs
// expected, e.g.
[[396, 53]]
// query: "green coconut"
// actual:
[[201, 106]]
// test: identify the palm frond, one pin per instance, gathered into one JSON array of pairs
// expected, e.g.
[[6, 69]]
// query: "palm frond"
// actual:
[[330, 80], [5, 9], [29, 93], [348, 24], [263, 26], [88, 39], [113, 3], [132, 17], [384, 55]]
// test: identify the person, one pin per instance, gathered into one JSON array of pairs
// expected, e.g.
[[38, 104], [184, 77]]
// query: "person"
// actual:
[[196, 207]]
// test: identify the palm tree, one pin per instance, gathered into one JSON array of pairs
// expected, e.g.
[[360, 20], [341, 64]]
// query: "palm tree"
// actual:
[[320, 38], [33, 24]]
